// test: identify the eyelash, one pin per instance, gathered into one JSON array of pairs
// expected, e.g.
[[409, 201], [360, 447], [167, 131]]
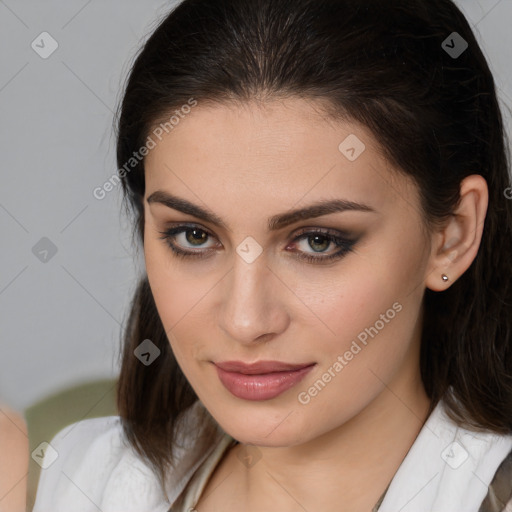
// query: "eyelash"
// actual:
[[345, 244]]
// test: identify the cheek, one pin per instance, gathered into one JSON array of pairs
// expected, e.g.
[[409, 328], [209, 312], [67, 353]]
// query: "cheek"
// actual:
[[374, 318], [173, 295], [375, 302]]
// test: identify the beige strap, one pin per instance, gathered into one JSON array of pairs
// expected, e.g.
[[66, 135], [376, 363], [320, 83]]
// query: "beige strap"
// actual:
[[499, 496]]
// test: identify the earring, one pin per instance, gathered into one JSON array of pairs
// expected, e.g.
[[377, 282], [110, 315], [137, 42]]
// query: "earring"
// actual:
[[444, 277]]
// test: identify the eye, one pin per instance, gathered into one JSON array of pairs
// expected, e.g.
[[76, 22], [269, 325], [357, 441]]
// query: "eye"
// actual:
[[320, 240], [193, 243], [193, 235]]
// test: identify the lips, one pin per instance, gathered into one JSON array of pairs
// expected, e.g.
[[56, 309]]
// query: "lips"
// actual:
[[260, 367], [263, 380]]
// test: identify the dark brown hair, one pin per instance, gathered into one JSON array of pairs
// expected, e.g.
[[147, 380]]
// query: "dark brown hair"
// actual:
[[437, 118]]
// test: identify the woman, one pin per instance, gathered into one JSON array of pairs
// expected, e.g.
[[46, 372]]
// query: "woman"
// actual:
[[325, 323]]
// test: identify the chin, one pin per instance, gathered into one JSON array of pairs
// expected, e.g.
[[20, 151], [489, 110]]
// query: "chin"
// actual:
[[263, 429]]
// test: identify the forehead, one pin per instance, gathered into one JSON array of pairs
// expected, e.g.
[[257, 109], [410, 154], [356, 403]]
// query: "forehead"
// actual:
[[285, 151]]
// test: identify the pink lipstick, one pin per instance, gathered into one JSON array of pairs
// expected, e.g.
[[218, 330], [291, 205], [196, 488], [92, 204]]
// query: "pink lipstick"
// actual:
[[262, 380]]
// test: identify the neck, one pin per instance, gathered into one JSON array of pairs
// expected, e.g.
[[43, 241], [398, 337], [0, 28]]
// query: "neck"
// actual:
[[352, 464]]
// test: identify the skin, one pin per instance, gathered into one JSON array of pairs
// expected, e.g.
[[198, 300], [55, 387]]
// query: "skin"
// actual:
[[247, 163], [13, 461]]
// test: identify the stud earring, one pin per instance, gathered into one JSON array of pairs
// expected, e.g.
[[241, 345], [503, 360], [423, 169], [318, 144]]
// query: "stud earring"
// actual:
[[444, 277]]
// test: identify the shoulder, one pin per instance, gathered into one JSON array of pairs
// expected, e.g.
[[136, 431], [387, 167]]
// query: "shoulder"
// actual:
[[81, 448], [77, 438], [90, 465]]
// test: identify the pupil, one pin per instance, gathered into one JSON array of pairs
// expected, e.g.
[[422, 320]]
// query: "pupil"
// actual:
[[316, 237], [195, 240]]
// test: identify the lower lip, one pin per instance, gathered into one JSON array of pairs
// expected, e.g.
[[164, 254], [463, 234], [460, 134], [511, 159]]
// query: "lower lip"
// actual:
[[263, 386]]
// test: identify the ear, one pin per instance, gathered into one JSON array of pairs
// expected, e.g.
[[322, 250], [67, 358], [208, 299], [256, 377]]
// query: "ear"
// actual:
[[456, 245]]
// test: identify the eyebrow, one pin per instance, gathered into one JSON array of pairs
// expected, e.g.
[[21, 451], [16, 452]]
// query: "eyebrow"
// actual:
[[318, 209]]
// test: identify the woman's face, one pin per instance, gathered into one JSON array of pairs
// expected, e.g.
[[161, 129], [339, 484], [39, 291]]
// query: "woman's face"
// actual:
[[248, 292]]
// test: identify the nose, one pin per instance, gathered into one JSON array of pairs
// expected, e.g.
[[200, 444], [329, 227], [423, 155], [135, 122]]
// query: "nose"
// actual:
[[253, 307]]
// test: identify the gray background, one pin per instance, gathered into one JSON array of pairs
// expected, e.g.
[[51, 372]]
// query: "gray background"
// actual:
[[60, 320]]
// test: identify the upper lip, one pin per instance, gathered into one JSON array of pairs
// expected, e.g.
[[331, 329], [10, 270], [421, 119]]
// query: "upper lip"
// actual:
[[259, 367]]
